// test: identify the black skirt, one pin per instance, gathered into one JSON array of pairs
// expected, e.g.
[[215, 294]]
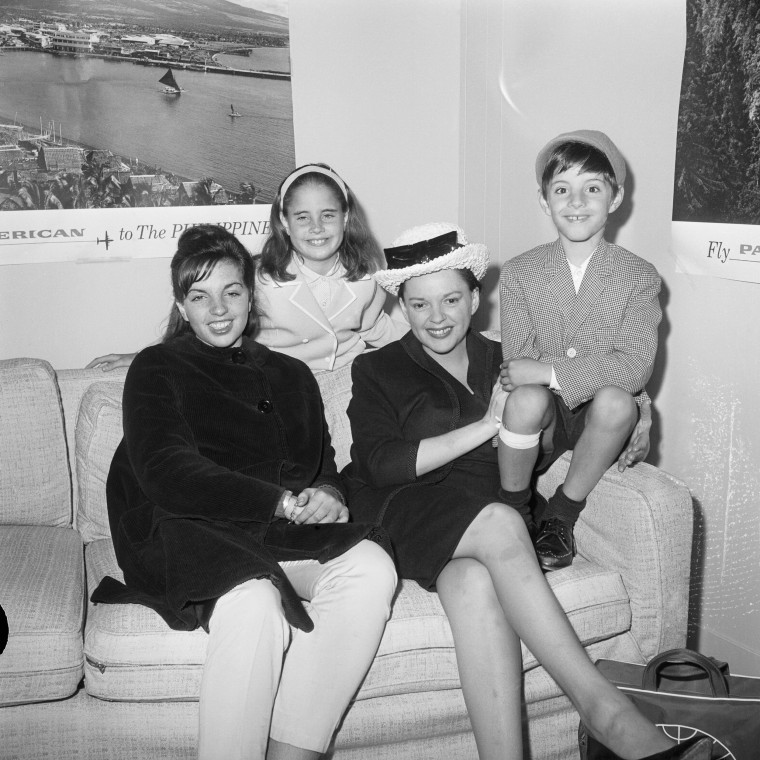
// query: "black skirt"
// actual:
[[425, 522]]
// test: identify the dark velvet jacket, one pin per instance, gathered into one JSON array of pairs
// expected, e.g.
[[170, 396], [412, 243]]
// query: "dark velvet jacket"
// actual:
[[400, 396], [212, 438]]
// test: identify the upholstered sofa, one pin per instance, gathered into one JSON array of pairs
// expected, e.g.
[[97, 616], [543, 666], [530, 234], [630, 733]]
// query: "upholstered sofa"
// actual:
[[101, 682]]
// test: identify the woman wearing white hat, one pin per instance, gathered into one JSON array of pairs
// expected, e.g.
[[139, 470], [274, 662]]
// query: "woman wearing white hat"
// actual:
[[423, 413]]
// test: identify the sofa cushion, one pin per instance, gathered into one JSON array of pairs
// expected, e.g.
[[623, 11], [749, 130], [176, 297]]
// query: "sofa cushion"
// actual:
[[640, 522], [131, 654], [42, 593], [417, 650], [335, 388], [73, 384], [124, 643], [98, 432], [35, 488]]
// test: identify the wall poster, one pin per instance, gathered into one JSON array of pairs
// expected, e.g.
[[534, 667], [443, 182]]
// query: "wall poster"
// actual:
[[716, 202], [118, 130]]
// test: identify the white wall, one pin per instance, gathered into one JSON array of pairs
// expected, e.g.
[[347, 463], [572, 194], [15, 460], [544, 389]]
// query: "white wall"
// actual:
[[532, 70], [376, 96], [70, 313]]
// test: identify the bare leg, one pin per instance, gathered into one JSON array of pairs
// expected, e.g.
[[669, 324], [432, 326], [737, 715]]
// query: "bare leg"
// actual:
[[488, 657], [529, 409], [498, 539], [610, 419]]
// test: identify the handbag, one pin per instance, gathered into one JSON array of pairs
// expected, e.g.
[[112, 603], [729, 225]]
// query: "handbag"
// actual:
[[688, 694]]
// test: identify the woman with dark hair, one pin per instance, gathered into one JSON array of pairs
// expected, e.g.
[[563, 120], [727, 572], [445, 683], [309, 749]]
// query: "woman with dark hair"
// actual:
[[226, 510], [423, 414]]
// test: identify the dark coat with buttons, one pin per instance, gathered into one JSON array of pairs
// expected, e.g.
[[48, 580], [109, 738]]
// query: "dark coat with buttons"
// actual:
[[212, 438]]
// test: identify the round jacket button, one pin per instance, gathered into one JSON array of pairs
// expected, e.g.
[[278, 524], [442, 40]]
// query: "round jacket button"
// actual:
[[305, 340], [571, 352], [265, 406]]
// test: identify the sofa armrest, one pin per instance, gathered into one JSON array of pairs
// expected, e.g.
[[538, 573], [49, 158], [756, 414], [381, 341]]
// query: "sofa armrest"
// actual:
[[639, 523]]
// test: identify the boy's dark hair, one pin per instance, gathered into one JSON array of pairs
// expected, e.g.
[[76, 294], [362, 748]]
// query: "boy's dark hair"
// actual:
[[359, 252], [199, 250], [470, 280], [586, 157]]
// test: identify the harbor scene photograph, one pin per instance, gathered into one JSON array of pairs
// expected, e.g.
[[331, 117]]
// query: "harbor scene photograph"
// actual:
[[116, 106]]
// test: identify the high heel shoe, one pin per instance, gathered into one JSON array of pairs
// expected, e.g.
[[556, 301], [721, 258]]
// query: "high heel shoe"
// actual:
[[698, 748]]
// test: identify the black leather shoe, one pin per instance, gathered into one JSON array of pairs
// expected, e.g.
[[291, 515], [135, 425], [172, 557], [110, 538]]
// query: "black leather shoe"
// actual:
[[555, 545], [698, 748]]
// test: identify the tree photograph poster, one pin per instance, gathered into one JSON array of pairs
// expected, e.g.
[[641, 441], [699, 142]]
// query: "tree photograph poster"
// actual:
[[716, 199], [123, 123]]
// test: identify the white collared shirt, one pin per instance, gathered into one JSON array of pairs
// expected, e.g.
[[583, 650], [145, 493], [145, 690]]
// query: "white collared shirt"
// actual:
[[324, 287], [577, 273]]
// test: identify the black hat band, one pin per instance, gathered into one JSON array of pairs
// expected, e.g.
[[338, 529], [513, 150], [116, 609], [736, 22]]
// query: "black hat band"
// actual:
[[402, 256]]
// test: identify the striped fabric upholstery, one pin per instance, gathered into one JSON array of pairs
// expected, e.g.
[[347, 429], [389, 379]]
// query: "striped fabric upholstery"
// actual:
[[42, 593], [34, 478], [98, 432]]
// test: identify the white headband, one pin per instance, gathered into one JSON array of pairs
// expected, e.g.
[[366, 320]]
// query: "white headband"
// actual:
[[312, 169]]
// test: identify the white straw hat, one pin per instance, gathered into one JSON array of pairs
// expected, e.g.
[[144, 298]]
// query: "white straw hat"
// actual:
[[429, 248]]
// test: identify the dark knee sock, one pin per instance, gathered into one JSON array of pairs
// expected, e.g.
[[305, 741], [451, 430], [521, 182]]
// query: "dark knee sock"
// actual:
[[520, 501], [563, 507]]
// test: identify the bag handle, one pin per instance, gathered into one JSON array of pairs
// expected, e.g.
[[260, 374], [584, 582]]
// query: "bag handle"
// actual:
[[718, 683]]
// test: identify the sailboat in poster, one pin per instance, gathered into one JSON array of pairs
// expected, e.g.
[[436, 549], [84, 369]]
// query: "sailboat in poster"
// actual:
[[170, 83]]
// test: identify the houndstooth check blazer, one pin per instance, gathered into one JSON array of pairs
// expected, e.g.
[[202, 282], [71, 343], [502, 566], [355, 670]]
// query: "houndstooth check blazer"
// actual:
[[604, 335]]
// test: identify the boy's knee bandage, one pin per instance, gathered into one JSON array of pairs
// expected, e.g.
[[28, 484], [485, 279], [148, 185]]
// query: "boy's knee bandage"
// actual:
[[519, 440]]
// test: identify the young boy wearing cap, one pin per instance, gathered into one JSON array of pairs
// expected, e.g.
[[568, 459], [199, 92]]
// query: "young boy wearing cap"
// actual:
[[579, 320]]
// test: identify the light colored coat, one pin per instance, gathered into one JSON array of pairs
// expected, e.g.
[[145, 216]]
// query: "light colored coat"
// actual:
[[293, 323], [606, 334]]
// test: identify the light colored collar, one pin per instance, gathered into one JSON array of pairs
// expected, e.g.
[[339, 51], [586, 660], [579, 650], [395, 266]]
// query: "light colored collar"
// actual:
[[337, 270]]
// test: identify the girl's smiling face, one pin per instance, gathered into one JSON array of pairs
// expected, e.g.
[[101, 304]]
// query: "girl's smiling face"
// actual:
[[217, 306], [315, 221]]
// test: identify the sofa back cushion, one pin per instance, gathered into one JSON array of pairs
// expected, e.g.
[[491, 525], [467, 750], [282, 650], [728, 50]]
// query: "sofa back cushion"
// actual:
[[98, 432], [73, 384], [35, 487], [335, 388]]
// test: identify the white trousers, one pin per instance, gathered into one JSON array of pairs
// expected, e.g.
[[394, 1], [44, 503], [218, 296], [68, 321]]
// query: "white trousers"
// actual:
[[249, 692]]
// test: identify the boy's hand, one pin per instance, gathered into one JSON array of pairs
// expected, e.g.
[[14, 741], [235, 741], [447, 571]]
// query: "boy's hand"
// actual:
[[638, 444], [318, 506], [516, 372]]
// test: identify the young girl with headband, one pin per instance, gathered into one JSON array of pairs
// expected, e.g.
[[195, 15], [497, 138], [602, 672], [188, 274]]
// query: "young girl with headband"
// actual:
[[315, 293]]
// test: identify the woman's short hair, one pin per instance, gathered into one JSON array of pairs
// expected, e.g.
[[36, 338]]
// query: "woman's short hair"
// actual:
[[359, 252], [586, 157], [467, 275], [199, 250]]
